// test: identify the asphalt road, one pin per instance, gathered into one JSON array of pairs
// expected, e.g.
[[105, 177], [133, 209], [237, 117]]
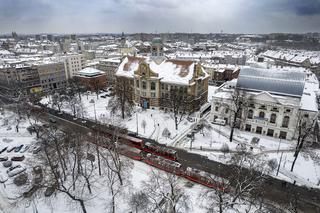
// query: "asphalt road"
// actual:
[[274, 190]]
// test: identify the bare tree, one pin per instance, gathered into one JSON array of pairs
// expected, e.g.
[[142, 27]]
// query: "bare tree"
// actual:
[[165, 193], [179, 102], [237, 107], [216, 200], [96, 86], [139, 202], [248, 174], [75, 87], [64, 167], [242, 187], [123, 97], [57, 100], [305, 130]]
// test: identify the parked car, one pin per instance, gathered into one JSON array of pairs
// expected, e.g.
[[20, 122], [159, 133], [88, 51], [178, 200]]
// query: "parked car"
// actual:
[[16, 171], [4, 158], [3, 150], [13, 168], [52, 120], [11, 149], [25, 148], [18, 158], [18, 148], [219, 122], [36, 150]]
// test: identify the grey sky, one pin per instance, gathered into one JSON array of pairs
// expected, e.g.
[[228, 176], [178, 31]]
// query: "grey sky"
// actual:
[[204, 16]]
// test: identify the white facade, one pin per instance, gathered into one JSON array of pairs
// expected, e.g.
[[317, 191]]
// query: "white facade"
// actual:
[[73, 64], [265, 113]]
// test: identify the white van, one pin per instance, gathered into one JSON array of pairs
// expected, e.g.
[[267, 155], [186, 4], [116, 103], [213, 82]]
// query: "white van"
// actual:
[[219, 122]]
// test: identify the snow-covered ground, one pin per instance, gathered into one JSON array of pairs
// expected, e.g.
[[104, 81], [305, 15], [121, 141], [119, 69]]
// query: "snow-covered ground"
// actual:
[[156, 120], [59, 203], [210, 141]]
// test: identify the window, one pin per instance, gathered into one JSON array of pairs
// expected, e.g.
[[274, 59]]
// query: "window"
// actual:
[[162, 86], [248, 128], [306, 115], [275, 109], [283, 135], [226, 111], [137, 83], [273, 118], [270, 132], [153, 86], [153, 95], [217, 109], [259, 130], [285, 122], [251, 105], [288, 110], [144, 85], [250, 114], [262, 107], [261, 114]]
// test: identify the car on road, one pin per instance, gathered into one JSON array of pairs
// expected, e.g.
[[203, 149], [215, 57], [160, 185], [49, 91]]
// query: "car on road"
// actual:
[[52, 120], [219, 122], [103, 96]]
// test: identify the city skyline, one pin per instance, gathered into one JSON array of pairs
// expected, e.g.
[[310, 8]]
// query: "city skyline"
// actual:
[[132, 16]]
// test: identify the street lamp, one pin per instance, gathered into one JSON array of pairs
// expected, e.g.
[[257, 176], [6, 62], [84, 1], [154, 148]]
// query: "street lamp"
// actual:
[[94, 108]]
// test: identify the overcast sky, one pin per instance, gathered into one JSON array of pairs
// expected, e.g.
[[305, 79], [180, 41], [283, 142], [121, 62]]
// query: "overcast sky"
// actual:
[[204, 16]]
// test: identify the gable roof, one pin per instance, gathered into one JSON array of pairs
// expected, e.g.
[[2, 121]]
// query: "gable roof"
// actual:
[[170, 71]]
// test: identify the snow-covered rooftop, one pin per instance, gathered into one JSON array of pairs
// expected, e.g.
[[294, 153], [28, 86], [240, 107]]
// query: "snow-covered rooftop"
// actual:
[[275, 81], [171, 71], [89, 72]]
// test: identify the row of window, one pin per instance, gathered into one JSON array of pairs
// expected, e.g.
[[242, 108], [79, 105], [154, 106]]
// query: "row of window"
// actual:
[[273, 117], [274, 109]]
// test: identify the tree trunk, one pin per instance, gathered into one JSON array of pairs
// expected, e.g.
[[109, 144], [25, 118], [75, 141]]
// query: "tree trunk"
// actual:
[[98, 156], [83, 207], [176, 121], [231, 133]]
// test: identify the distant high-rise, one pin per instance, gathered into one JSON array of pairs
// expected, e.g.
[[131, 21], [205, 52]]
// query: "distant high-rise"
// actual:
[[14, 35], [73, 37], [50, 37]]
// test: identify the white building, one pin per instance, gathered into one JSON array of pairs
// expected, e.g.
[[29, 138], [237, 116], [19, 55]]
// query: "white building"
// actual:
[[73, 64], [275, 101]]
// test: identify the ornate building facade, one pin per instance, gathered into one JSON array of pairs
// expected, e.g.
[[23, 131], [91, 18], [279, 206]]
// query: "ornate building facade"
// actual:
[[154, 79]]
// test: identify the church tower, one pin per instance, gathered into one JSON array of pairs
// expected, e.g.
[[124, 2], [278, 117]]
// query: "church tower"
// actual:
[[157, 50], [123, 40]]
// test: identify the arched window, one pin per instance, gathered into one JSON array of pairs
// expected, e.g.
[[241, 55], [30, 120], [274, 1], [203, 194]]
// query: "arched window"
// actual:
[[273, 118], [261, 114], [250, 114], [285, 122]]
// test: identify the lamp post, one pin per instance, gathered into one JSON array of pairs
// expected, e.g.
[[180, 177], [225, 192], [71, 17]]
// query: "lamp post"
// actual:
[[279, 146], [94, 108]]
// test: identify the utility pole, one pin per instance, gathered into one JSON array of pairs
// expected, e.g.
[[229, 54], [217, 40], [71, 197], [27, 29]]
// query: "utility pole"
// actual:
[[279, 163], [137, 123]]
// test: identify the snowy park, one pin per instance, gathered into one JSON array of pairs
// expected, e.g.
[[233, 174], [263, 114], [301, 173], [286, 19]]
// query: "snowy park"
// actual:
[[211, 141], [98, 201]]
